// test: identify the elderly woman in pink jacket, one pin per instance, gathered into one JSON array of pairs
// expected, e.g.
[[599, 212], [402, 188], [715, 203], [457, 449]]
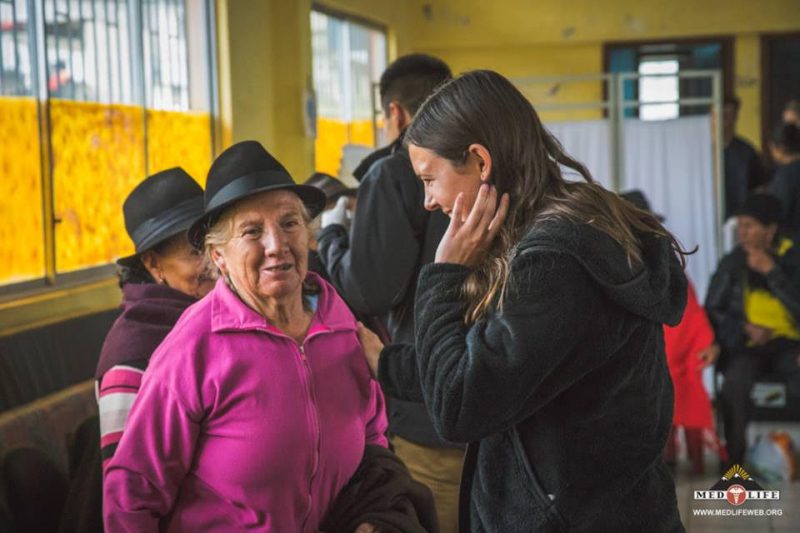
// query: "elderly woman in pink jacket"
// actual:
[[256, 409]]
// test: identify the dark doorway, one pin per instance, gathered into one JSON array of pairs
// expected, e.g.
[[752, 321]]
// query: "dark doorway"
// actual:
[[780, 79]]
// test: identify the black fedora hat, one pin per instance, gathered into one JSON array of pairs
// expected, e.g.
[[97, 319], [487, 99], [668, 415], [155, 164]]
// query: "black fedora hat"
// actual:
[[329, 185], [160, 207], [243, 170]]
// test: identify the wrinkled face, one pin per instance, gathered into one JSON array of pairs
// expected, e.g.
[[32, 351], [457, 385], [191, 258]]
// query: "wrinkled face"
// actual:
[[443, 181], [266, 257], [753, 234], [181, 267]]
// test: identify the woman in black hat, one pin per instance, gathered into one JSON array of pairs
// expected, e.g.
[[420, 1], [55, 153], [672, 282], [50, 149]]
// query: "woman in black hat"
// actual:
[[256, 409], [159, 281]]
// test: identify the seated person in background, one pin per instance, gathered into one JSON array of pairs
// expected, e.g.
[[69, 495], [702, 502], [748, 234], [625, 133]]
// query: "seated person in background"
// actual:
[[257, 408], [690, 348], [164, 277], [754, 305], [785, 184]]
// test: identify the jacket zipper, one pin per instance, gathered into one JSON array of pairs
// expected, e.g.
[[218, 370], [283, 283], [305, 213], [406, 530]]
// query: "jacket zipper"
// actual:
[[309, 383], [316, 428]]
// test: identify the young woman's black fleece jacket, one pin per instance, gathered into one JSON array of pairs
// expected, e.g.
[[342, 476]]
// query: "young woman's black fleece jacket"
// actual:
[[565, 392]]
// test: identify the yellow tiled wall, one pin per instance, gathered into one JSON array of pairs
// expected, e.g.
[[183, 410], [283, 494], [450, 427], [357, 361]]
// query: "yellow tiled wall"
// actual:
[[21, 223]]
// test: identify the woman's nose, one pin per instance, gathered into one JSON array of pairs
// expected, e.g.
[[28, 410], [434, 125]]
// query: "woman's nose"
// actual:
[[274, 241], [430, 203]]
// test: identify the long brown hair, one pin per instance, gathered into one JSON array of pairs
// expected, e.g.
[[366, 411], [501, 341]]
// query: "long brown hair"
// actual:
[[483, 107]]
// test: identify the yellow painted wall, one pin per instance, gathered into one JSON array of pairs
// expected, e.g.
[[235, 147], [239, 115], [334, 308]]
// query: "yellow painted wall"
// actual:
[[265, 46], [21, 225], [551, 37]]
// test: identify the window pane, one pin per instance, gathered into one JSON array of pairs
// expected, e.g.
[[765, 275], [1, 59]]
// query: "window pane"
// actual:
[[179, 124], [21, 221], [657, 86], [98, 157], [348, 58], [21, 225], [15, 51]]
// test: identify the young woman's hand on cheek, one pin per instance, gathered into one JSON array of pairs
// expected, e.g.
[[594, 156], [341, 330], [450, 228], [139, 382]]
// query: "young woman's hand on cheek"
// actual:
[[469, 235]]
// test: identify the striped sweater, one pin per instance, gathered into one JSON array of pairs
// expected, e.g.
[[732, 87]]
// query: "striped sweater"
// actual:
[[115, 394], [149, 312]]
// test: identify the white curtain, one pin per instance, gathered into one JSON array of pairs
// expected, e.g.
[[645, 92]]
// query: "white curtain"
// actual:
[[670, 161], [589, 142]]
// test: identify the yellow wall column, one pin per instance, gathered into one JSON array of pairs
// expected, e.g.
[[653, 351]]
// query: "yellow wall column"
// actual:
[[747, 51], [265, 58]]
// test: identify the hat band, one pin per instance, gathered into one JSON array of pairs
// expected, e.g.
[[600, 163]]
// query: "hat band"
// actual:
[[241, 187], [151, 231]]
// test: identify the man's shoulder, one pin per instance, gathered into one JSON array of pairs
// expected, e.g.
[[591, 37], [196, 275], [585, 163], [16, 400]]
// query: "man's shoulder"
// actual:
[[395, 167], [743, 146]]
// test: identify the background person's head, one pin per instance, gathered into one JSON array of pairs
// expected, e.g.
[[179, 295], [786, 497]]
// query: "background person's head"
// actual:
[[791, 112], [256, 226], [404, 86], [730, 114], [784, 145], [158, 213], [333, 189], [757, 221]]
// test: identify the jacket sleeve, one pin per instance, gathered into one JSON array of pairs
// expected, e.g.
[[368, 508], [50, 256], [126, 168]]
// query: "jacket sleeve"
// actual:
[[481, 379], [116, 391], [383, 243], [719, 305], [397, 372], [786, 286], [154, 455], [781, 188], [378, 423]]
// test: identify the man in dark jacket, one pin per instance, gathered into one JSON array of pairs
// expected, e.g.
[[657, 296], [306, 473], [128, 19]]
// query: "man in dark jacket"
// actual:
[[785, 184], [375, 267], [753, 303], [743, 168]]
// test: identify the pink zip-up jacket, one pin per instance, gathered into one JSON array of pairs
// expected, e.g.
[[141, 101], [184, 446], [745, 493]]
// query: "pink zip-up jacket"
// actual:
[[237, 427]]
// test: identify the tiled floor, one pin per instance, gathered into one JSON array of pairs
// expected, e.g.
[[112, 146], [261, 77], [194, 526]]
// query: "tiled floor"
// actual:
[[788, 506]]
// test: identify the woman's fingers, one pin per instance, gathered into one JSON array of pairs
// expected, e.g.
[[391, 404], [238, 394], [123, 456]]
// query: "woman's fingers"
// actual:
[[457, 216], [500, 216], [489, 209], [476, 212]]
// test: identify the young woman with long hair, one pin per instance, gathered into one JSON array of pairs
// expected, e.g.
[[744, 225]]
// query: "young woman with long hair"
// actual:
[[539, 335]]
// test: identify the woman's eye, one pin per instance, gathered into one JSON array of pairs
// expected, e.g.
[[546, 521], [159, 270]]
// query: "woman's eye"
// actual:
[[252, 232]]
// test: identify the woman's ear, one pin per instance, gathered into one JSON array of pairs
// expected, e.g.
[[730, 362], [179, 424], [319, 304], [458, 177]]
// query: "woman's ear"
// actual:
[[152, 264], [484, 160], [399, 115], [219, 260]]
